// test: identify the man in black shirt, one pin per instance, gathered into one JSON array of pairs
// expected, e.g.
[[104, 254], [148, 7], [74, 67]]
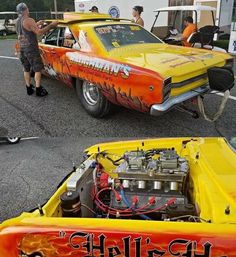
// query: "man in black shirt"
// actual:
[[27, 30]]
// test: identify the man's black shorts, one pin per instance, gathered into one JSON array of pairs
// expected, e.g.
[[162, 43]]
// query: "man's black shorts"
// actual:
[[31, 61]]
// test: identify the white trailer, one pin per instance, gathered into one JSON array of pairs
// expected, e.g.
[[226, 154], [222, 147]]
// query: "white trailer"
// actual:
[[123, 9]]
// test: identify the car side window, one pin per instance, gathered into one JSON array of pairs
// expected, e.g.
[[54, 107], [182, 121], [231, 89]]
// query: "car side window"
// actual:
[[52, 37], [66, 38]]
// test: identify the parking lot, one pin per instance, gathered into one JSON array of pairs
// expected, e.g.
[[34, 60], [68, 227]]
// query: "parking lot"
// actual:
[[60, 114], [31, 170]]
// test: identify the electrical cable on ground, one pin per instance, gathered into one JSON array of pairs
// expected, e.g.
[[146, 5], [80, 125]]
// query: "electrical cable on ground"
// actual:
[[217, 115]]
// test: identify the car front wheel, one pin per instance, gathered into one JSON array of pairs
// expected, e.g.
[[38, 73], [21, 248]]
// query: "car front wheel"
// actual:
[[13, 140], [92, 99], [3, 33]]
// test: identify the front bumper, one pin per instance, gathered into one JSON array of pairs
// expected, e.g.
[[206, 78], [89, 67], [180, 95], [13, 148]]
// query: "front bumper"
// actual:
[[159, 109]]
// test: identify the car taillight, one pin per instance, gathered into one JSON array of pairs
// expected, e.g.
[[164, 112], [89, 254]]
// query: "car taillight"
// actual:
[[166, 88]]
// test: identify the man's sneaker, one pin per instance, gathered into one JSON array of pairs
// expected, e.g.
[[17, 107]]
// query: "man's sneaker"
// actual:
[[41, 91], [30, 90]]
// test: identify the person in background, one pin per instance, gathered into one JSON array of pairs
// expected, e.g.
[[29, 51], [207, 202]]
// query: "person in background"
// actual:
[[190, 28], [94, 9], [27, 30], [137, 10]]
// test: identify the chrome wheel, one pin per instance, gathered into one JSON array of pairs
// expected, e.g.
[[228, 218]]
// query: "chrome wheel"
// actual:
[[90, 93], [92, 99], [13, 140], [3, 33]]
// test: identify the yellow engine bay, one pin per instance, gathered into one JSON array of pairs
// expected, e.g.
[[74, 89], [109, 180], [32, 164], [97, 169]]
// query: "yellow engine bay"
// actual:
[[206, 180]]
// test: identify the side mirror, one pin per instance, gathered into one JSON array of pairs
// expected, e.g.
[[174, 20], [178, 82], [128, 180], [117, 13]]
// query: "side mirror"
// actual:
[[43, 40]]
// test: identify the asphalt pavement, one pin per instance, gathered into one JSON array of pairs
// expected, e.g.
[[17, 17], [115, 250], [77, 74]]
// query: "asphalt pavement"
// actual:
[[31, 170], [61, 115]]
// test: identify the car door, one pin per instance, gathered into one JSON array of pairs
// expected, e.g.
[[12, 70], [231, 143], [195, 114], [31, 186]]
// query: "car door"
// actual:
[[54, 48], [66, 43], [48, 50]]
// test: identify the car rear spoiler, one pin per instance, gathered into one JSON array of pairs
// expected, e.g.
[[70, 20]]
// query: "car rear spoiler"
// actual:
[[79, 21]]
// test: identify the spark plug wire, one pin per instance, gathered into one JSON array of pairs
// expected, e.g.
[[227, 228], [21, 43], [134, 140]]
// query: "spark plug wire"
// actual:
[[122, 192], [131, 210]]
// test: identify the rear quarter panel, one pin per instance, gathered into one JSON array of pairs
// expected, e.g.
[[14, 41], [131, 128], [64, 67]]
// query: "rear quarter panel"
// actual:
[[123, 84]]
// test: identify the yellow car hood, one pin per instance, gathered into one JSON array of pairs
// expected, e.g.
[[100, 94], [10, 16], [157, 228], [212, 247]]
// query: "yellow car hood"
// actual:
[[175, 61]]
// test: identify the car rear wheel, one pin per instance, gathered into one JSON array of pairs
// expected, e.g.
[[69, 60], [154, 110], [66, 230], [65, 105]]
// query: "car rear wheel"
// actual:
[[13, 140], [92, 99]]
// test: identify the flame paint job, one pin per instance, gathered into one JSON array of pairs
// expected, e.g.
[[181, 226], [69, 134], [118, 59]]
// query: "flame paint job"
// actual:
[[91, 239], [147, 65]]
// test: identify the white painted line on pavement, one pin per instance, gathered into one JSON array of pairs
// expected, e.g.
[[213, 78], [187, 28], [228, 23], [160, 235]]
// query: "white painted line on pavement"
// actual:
[[9, 57], [29, 138]]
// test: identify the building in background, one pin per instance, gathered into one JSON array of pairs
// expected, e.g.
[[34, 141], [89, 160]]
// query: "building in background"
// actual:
[[123, 8]]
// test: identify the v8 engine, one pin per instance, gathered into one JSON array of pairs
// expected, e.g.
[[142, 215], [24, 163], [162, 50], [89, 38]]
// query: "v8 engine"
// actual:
[[149, 185]]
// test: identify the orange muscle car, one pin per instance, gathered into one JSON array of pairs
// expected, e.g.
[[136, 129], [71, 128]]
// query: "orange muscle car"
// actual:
[[113, 61]]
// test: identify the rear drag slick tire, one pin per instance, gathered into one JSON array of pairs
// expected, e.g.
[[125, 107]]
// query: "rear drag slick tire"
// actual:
[[92, 100]]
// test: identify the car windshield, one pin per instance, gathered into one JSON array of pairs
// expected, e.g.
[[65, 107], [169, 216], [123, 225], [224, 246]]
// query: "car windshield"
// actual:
[[115, 36]]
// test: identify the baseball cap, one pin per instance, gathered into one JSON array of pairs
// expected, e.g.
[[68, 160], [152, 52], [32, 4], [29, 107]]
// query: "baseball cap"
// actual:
[[21, 7], [94, 8]]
